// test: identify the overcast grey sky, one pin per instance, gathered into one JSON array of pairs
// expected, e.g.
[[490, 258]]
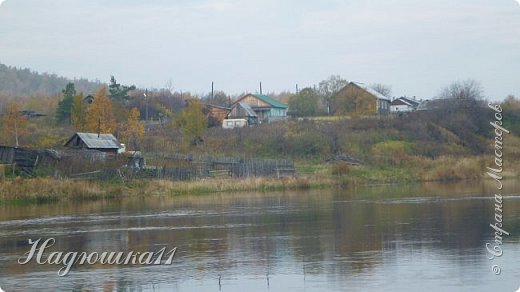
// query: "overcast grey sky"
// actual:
[[416, 46]]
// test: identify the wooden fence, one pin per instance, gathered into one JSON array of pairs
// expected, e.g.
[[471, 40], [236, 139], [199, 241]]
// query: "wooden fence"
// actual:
[[186, 167], [91, 164]]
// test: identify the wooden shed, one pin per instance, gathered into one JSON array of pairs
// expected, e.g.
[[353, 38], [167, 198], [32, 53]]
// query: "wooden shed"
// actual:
[[102, 142], [215, 114]]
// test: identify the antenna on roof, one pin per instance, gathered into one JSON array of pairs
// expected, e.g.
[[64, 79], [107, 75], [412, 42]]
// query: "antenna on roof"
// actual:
[[260, 87]]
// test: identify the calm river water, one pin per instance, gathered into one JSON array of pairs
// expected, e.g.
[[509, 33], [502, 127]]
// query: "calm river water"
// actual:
[[425, 237]]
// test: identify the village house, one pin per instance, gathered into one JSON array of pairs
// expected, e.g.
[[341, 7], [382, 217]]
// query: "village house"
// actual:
[[265, 108], [241, 111], [106, 143], [403, 104], [215, 114], [357, 98], [434, 104]]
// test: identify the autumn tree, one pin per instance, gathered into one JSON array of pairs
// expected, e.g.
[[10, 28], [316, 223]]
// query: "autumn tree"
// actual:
[[328, 88], [133, 130], [219, 98], [468, 89], [100, 116], [63, 112], [511, 108], [384, 89], [192, 122], [79, 112], [462, 110], [14, 123], [305, 103]]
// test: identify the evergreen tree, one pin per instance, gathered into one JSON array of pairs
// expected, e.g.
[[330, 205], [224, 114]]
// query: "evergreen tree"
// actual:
[[117, 91], [63, 112]]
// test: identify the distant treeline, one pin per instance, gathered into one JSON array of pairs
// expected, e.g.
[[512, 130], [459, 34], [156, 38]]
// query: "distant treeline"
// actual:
[[24, 82]]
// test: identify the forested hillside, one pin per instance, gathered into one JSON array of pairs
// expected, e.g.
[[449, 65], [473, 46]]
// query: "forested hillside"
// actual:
[[24, 82]]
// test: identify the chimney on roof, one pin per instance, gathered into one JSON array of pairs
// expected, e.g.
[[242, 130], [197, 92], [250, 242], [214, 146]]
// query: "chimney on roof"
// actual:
[[260, 87]]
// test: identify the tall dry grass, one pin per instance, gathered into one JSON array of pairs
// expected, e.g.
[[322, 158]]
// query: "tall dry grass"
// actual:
[[264, 184], [49, 189], [446, 168]]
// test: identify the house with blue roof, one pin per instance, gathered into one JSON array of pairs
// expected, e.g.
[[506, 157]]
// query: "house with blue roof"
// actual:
[[265, 108]]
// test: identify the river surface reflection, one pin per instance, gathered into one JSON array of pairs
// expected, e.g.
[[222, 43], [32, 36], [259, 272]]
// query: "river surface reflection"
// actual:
[[421, 237]]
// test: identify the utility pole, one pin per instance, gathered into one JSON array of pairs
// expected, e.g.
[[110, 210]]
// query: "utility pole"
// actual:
[[297, 91], [212, 91], [146, 104]]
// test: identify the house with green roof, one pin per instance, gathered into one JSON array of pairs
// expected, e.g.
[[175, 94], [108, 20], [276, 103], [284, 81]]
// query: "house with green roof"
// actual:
[[266, 109]]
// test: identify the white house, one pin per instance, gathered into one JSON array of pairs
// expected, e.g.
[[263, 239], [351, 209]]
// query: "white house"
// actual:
[[403, 104]]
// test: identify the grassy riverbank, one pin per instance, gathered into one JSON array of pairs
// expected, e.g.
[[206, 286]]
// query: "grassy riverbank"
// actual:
[[49, 189], [310, 176]]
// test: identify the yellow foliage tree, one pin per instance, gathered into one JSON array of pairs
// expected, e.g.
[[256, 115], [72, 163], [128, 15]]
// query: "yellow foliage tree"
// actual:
[[79, 113], [133, 130], [100, 116], [192, 122], [14, 123]]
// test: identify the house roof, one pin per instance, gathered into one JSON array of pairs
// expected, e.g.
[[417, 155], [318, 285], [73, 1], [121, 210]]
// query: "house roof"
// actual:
[[249, 111], [409, 101], [104, 141], [406, 101], [215, 106], [426, 105], [371, 91], [268, 100]]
